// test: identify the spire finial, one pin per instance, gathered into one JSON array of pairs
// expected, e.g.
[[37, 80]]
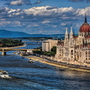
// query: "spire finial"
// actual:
[[66, 30], [66, 34], [85, 21], [71, 30]]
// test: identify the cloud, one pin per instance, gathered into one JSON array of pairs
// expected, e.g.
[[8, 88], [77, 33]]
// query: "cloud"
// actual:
[[54, 26], [18, 2], [22, 2], [43, 12], [39, 1], [32, 25], [42, 18], [46, 21], [79, 0], [63, 24], [32, 2], [4, 23], [76, 0]]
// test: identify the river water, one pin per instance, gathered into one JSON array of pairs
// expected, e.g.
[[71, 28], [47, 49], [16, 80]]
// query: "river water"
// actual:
[[38, 76]]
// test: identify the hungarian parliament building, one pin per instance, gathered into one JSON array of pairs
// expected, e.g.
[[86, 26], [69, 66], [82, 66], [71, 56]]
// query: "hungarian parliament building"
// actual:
[[75, 49]]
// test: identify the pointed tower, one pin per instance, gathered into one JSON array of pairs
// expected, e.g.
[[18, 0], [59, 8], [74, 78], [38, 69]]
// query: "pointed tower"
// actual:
[[71, 33], [71, 45], [66, 41], [71, 38], [66, 45], [85, 20], [66, 34]]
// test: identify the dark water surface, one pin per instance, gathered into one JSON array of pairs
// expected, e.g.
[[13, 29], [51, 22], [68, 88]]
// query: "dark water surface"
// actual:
[[38, 76]]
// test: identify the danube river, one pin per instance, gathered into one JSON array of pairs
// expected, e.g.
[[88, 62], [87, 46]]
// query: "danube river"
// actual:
[[38, 76]]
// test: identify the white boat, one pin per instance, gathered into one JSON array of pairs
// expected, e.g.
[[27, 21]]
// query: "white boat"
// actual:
[[4, 74], [31, 61]]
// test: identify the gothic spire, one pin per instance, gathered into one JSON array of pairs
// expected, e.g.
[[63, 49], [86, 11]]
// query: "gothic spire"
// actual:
[[85, 20], [66, 30], [71, 32], [66, 34]]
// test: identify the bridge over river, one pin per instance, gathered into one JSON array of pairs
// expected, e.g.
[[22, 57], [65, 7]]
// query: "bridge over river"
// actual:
[[33, 41], [4, 50]]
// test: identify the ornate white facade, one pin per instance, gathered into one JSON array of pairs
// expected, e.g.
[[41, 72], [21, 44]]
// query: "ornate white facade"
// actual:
[[75, 49]]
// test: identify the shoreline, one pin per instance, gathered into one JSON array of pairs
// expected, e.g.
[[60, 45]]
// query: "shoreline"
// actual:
[[60, 65]]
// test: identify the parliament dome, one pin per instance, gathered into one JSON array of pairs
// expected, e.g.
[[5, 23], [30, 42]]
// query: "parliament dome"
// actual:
[[85, 27]]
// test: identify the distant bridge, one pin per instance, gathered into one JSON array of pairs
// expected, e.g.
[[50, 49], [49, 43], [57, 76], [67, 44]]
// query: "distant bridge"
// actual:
[[35, 44], [4, 50], [33, 41]]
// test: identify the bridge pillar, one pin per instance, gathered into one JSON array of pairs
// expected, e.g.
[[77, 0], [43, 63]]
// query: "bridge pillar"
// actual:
[[3, 52]]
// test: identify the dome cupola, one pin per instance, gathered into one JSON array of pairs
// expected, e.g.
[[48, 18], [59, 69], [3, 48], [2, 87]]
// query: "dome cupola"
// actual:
[[85, 27]]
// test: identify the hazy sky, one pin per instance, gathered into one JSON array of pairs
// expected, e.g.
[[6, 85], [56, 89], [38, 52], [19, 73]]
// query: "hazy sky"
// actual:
[[43, 16]]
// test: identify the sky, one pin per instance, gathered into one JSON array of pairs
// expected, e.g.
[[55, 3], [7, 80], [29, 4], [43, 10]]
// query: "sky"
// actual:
[[43, 16]]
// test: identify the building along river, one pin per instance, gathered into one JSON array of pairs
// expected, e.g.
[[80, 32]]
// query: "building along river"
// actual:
[[38, 76]]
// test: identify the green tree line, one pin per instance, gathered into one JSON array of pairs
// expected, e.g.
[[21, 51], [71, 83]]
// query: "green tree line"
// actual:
[[51, 53], [10, 42]]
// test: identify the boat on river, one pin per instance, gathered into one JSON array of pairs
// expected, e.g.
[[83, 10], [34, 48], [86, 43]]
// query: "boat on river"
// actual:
[[4, 74], [31, 61]]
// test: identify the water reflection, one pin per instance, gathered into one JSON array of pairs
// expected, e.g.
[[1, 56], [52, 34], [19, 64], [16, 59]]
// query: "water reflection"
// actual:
[[74, 74]]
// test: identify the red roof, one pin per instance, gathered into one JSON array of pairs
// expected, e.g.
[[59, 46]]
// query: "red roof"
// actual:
[[87, 37], [75, 36], [62, 44], [85, 28]]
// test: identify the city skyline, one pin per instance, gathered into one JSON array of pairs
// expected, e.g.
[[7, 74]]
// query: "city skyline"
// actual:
[[43, 16]]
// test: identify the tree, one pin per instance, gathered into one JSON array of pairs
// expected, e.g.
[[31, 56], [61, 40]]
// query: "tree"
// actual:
[[53, 49]]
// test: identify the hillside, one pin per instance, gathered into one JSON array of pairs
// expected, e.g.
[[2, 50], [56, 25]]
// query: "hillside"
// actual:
[[11, 34]]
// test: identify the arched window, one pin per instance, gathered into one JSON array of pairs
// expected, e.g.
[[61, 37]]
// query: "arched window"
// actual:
[[71, 52]]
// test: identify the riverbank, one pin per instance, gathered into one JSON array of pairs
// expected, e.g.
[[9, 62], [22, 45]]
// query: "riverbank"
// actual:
[[60, 65]]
